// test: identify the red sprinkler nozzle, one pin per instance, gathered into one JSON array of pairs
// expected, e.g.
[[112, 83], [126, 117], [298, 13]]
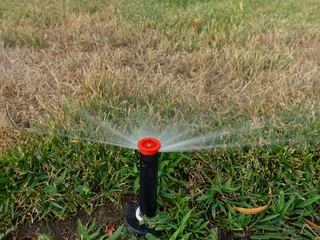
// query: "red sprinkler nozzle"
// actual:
[[149, 146]]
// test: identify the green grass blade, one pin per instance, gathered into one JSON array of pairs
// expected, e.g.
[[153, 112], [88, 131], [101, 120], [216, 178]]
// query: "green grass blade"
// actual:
[[307, 202]]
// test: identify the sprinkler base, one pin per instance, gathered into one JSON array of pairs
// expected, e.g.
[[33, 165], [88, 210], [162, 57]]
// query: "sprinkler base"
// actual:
[[134, 224]]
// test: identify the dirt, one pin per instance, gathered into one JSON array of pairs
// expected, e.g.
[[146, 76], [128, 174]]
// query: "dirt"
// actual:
[[67, 229]]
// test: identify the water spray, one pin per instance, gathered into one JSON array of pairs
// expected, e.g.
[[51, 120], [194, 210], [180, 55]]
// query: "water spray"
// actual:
[[149, 152]]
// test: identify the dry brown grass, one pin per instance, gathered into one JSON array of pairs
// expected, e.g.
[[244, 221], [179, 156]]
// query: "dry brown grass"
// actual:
[[78, 53]]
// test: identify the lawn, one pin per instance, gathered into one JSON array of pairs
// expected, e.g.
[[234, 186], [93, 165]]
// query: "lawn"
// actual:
[[81, 81]]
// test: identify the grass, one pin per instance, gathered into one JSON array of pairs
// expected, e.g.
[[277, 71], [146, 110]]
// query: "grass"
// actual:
[[207, 65]]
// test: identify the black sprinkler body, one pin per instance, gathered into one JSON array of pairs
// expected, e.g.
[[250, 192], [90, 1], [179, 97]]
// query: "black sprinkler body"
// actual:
[[149, 148], [148, 184]]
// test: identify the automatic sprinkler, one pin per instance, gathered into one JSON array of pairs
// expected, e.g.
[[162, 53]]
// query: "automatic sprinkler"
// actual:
[[149, 148]]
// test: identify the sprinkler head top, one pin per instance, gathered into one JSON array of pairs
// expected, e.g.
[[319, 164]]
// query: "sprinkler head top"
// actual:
[[149, 146]]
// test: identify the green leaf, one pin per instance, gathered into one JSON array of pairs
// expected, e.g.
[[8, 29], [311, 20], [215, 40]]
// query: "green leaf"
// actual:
[[241, 219], [43, 178], [186, 217], [186, 237], [50, 189], [149, 236], [95, 235], [268, 227], [63, 176], [80, 189], [232, 189], [93, 223], [176, 233], [135, 169], [307, 202], [280, 204], [228, 183], [160, 228], [182, 225], [197, 225], [136, 184], [204, 225], [122, 171], [203, 197], [286, 206], [116, 234], [169, 170], [4, 180], [82, 231], [302, 212], [83, 189], [268, 236], [55, 204], [268, 218]]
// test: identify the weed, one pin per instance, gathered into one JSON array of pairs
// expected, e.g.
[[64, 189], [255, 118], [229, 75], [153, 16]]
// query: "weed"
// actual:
[[89, 231]]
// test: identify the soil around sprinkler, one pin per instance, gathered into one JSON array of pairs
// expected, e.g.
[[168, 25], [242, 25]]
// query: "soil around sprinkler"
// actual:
[[67, 229]]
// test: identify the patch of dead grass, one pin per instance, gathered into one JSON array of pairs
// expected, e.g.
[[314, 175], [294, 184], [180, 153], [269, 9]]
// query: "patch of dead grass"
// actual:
[[81, 52]]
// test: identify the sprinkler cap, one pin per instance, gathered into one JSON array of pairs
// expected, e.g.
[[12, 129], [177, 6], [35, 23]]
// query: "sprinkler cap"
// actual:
[[149, 146]]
